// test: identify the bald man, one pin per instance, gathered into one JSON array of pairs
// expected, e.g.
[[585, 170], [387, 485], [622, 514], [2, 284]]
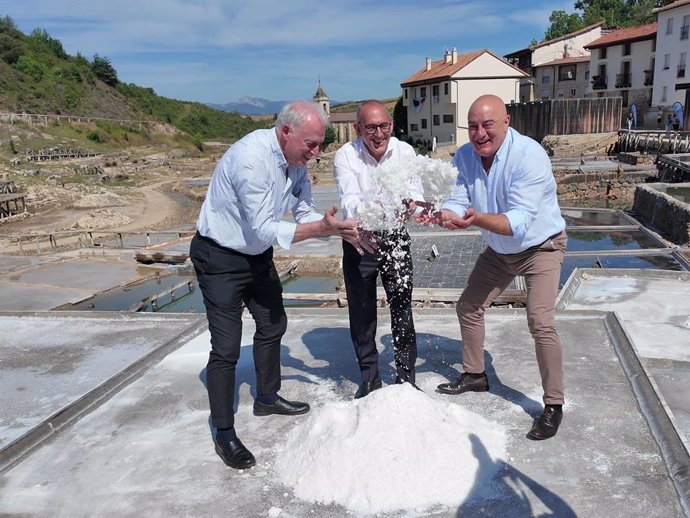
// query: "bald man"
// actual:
[[506, 188]]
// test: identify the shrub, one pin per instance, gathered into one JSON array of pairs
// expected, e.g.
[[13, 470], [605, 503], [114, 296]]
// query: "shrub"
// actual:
[[93, 136]]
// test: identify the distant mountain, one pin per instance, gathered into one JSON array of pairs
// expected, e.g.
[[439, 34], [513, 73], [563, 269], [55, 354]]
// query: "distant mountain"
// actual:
[[254, 106], [251, 106]]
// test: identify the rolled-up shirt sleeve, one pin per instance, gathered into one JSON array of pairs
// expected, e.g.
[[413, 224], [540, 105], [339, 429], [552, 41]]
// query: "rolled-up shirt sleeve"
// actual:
[[459, 199]]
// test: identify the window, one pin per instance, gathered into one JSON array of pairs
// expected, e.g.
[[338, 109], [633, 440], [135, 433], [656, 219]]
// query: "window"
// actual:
[[602, 53], [654, 45], [559, 94], [445, 88], [667, 61], [685, 27], [423, 92], [624, 95], [546, 76], [669, 26], [434, 93], [423, 123], [681, 65], [567, 73], [664, 92], [414, 127], [626, 49], [448, 119], [405, 93], [573, 92], [437, 120]]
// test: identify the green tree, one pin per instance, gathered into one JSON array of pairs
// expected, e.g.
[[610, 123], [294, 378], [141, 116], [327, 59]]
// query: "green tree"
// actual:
[[10, 49], [104, 71], [563, 23], [329, 138], [399, 118], [42, 38], [614, 14]]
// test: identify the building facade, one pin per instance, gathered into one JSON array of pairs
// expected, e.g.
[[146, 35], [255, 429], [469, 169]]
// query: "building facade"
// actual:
[[671, 74], [622, 64], [540, 55], [564, 78], [438, 96]]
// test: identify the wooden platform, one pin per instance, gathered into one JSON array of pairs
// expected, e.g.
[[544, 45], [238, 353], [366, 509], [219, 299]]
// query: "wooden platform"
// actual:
[[7, 201]]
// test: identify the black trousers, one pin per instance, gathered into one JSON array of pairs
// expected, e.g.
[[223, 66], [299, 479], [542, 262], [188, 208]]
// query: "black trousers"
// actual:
[[394, 263], [228, 279]]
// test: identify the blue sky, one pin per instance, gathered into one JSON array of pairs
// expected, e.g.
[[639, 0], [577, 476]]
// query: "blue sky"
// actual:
[[218, 51]]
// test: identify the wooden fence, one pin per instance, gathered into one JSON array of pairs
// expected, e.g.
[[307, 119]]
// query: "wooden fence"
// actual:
[[566, 116]]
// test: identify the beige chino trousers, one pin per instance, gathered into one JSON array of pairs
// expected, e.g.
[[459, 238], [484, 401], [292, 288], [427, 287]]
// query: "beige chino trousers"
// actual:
[[493, 272]]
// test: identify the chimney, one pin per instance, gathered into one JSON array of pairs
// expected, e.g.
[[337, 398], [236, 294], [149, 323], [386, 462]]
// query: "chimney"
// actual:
[[454, 56], [446, 56], [428, 64]]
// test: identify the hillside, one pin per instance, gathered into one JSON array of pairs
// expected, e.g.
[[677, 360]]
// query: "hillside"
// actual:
[[38, 76]]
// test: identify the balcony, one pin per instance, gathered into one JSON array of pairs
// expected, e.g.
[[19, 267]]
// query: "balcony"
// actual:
[[599, 83], [681, 71], [623, 80], [648, 77]]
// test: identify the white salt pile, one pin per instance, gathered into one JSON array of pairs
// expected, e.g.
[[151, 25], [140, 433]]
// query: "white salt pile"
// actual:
[[394, 449], [394, 181]]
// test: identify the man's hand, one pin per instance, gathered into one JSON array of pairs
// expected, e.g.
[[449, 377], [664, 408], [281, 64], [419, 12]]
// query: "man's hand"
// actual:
[[450, 220], [366, 242], [347, 229], [428, 216]]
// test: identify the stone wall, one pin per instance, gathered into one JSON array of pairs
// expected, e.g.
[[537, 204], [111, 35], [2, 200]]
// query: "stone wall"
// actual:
[[667, 215], [583, 185]]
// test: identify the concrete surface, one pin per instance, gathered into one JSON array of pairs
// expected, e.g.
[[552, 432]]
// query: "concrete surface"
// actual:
[[147, 451]]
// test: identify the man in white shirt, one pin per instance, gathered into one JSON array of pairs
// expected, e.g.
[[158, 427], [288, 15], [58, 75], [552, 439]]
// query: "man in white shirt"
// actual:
[[506, 188], [251, 190], [354, 165]]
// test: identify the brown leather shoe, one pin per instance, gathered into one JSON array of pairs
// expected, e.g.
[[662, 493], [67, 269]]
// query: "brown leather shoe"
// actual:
[[547, 425], [465, 383]]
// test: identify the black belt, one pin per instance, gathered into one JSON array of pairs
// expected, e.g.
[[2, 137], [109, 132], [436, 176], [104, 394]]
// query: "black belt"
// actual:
[[229, 250], [535, 247]]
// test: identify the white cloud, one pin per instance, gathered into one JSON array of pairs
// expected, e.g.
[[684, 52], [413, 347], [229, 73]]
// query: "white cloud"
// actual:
[[218, 50]]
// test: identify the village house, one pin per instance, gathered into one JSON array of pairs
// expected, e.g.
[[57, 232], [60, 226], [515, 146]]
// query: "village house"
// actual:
[[438, 96], [557, 66], [622, 64], [671, 81]]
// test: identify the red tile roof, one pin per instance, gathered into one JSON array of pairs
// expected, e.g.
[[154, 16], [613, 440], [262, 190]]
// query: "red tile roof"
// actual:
[[442, 70], [641, 32], [672, 5], [343, 117], [564, 61]]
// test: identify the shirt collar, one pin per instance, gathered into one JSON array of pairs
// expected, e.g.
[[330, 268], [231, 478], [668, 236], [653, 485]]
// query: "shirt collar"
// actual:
[[364, 152], [277, 152]]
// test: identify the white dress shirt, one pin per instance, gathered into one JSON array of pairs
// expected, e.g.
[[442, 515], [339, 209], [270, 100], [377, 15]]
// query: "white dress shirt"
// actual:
[[353, 168], [519, 185], [251, 190]]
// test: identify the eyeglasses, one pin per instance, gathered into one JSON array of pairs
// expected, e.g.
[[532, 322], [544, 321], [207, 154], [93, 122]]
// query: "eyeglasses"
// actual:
[[371, 128]]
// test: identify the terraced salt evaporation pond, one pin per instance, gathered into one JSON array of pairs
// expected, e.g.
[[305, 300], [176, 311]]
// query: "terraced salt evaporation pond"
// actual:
[[597, 238], [180, 293]]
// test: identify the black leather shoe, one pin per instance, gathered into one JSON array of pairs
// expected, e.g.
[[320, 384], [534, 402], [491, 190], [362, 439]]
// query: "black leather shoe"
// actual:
[[367, 387], [547, 424], [281, 407], [235, 454], [465, 383]]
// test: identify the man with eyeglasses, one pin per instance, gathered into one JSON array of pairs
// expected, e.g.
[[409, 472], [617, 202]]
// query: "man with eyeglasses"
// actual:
[[354, 165]]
